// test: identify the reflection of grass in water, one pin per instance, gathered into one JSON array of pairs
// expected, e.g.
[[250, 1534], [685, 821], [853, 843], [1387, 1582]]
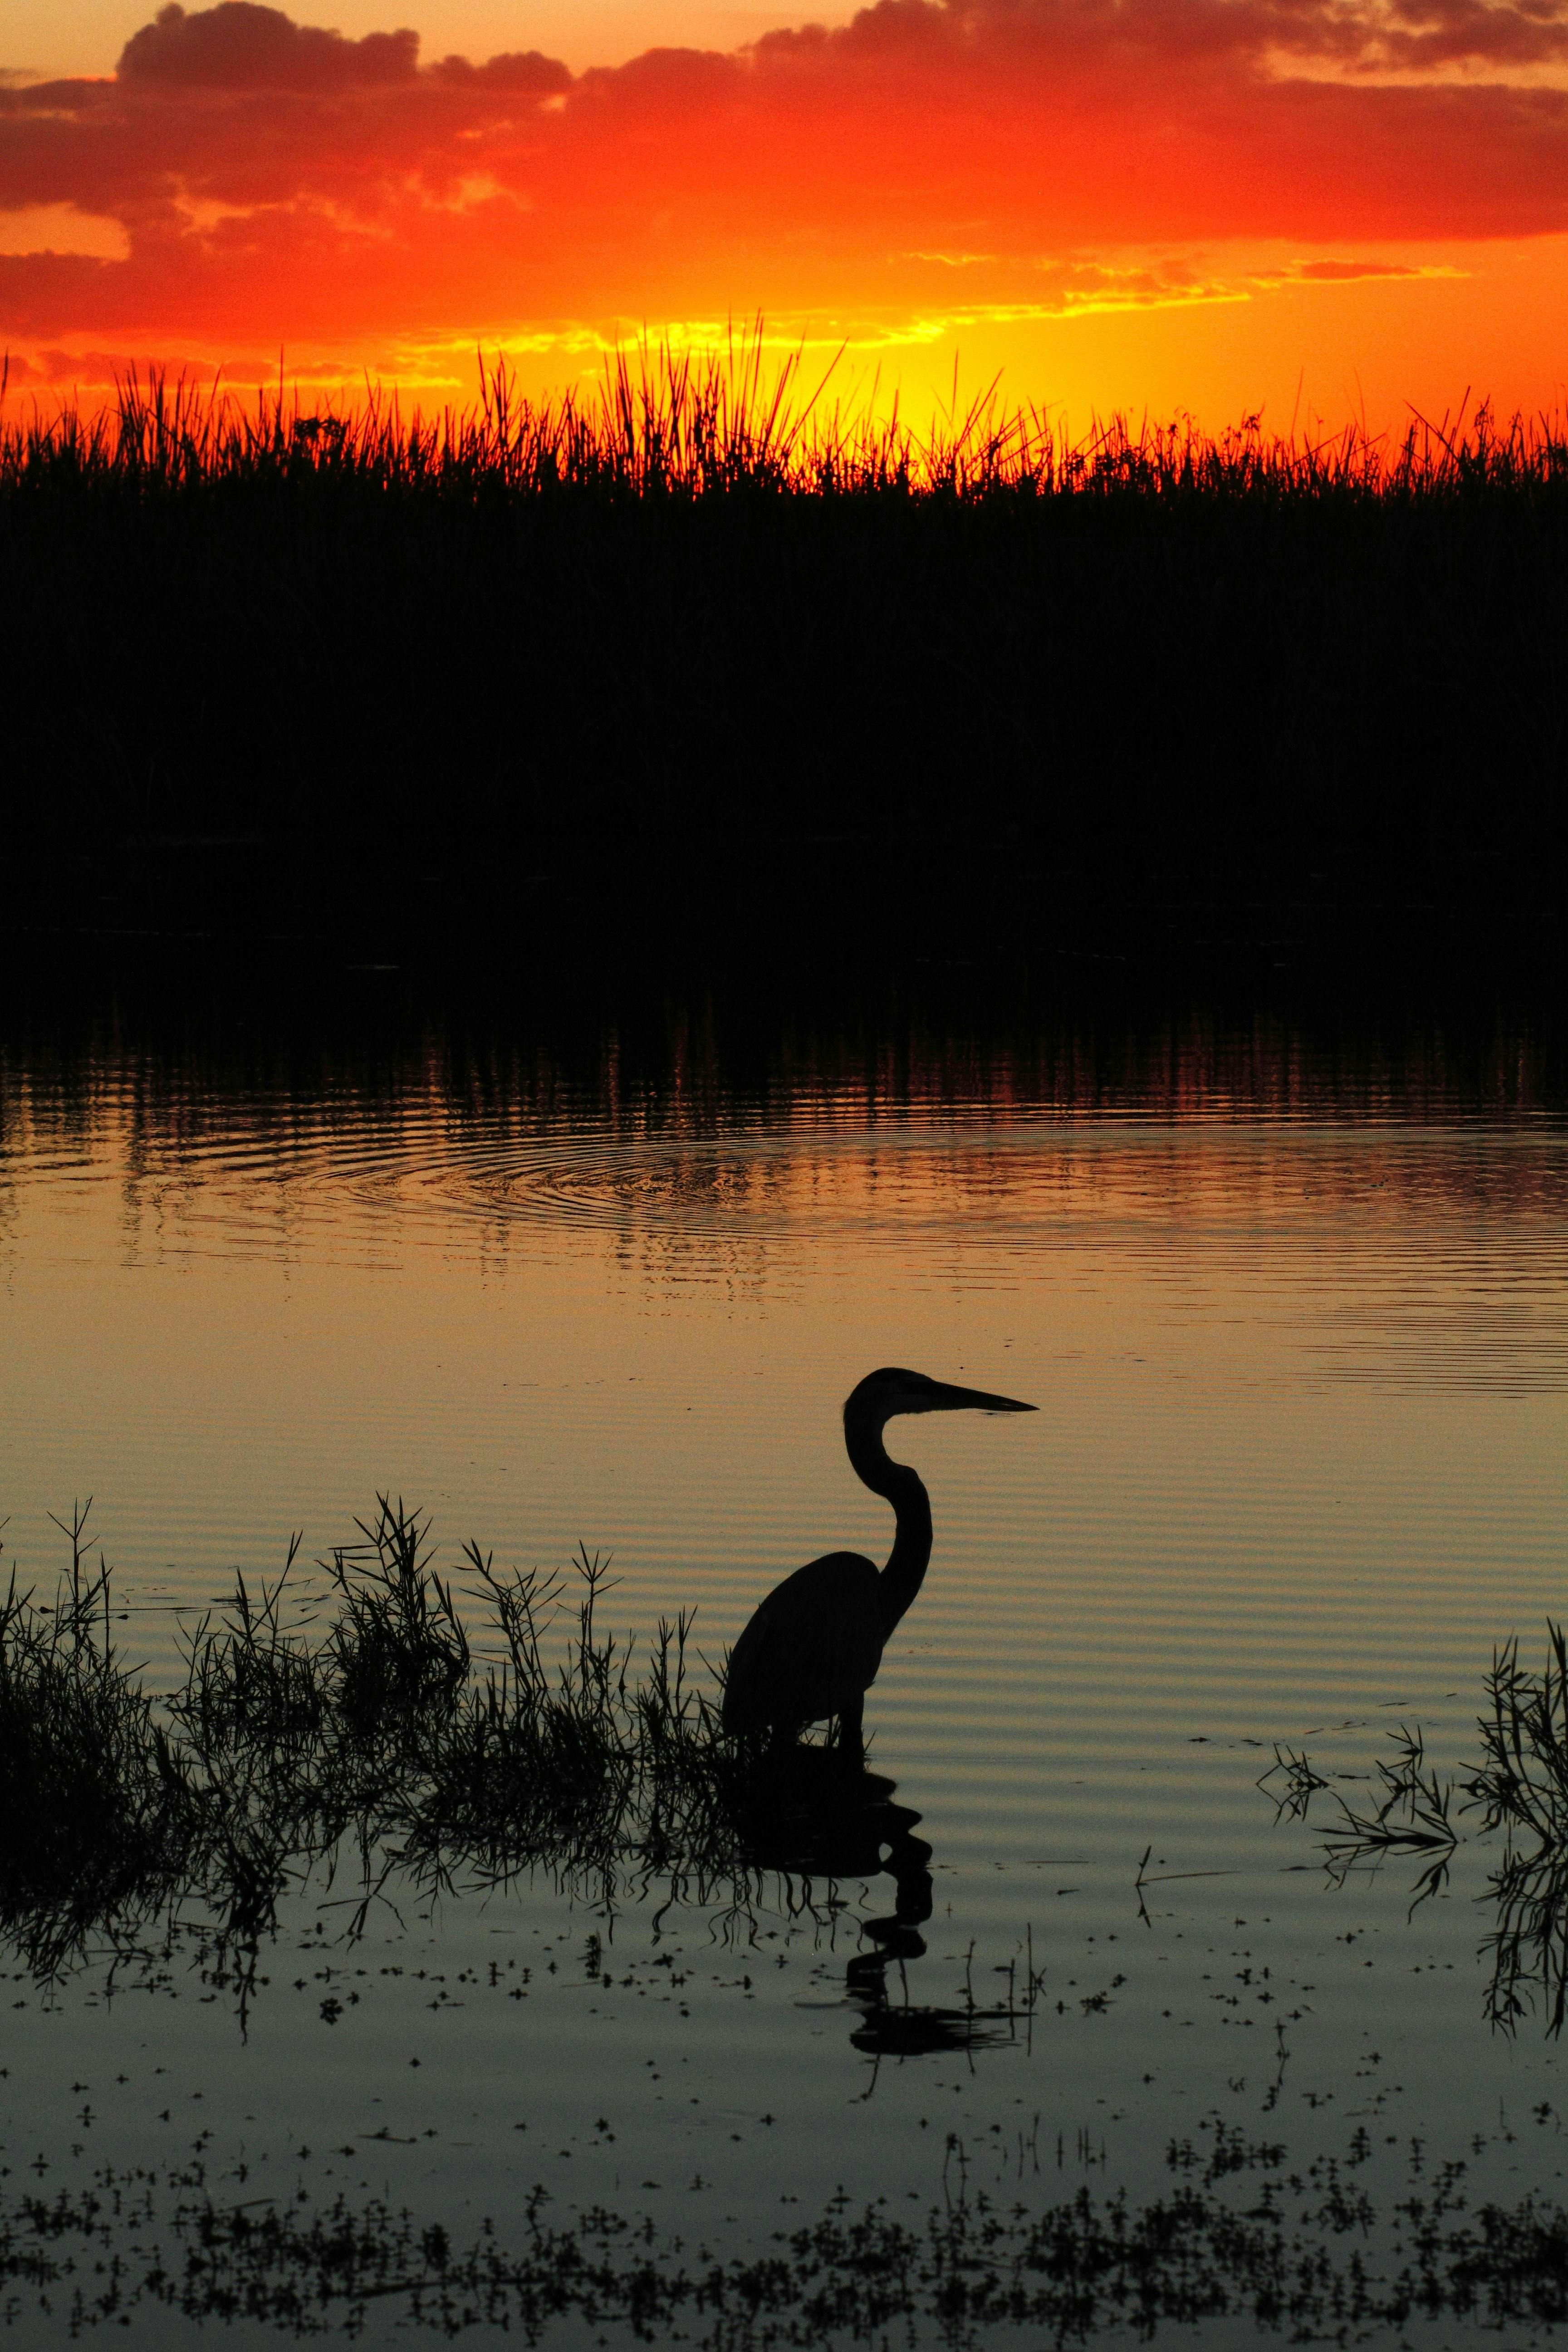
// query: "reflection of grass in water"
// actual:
[[1518, 1787], [287, 1740], [1301, 2253]]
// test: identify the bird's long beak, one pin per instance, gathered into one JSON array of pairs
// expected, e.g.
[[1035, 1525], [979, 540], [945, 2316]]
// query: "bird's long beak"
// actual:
[[948, 1399]]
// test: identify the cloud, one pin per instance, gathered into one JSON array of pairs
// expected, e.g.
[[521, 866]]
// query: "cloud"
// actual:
[[238, 46], [1347, 273], [61, 228], [274, 181]]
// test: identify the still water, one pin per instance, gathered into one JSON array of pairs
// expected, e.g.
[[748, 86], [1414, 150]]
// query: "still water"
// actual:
[[1300, 1347]]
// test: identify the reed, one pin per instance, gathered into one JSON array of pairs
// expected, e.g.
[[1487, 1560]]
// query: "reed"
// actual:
[[706, 616], [664, 424], [365, 1728]]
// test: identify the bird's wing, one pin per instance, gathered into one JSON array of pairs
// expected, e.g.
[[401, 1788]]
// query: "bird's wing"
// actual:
[[811, 1647]]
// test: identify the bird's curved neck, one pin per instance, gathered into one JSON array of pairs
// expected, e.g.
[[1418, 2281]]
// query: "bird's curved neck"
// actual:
[[910, 1556]]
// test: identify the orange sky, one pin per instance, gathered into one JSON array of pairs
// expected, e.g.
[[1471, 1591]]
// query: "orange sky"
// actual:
[[1306, 206]]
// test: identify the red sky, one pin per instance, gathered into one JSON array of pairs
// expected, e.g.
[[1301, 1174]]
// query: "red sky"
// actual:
[[1221, 204]]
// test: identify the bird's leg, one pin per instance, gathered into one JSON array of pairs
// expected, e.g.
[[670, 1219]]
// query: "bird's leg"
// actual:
[[851, 1734]]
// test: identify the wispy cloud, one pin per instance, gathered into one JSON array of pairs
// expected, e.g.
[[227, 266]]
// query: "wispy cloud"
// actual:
[[1348, 273]]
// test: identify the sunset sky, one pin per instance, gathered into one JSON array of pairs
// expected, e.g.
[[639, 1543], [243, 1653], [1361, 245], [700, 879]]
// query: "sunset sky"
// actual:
[[1314, 208]]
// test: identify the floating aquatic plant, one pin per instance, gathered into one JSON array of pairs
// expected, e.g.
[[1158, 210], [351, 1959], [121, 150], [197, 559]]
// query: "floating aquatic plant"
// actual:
[[1305, 2254]]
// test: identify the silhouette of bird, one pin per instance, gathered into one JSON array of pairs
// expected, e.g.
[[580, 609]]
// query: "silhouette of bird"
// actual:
[[813, 1647]]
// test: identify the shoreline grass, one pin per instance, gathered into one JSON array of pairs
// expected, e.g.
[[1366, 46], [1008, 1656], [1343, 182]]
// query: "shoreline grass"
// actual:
[[708, 618], [663, 423]]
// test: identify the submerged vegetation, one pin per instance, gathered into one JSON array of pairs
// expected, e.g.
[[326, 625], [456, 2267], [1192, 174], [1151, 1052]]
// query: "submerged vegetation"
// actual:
[[1308, 2255], [706, 613], [1518, 1789]]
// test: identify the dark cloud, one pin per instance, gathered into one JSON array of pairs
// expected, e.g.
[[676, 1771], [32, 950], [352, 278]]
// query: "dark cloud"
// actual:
[[527, 70], [1078, 34], [238, 46]]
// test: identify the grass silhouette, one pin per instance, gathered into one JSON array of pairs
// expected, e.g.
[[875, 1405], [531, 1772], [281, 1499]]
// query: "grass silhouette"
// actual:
[[291, 1739], [1516, 1788], [704, 617]]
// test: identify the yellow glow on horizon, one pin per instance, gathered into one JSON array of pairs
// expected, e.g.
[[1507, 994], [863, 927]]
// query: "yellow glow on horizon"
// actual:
[[1318, 339]]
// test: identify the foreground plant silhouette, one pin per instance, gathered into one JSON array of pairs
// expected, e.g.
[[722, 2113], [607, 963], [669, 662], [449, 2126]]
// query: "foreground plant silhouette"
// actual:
[[288, 1742], [664, 421], [1518, 1788]]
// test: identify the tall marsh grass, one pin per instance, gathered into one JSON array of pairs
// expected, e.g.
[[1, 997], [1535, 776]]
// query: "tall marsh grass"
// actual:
[[668, 423], [705, 612]]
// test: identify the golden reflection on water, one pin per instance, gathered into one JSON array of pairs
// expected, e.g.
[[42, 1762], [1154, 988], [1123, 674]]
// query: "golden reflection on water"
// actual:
[[1296, 1347], [1299, 1340]]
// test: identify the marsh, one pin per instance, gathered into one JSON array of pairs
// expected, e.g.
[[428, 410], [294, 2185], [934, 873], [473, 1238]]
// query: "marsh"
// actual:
[[1296, 1322]]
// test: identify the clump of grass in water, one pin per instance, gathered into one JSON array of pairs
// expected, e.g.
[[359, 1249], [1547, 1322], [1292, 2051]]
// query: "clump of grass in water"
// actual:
[[288, 1739], [1523, 1789], [92, 1786], [1519, 1788], [399, 1653]]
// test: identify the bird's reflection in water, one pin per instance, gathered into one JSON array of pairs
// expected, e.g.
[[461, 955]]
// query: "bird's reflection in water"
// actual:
[[819, 1819]]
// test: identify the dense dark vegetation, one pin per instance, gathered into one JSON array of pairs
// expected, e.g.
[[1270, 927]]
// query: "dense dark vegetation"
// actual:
[[363, 1729], [701, 624]]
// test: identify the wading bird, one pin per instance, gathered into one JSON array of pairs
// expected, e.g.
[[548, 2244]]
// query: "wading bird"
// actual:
[[813, 1647]]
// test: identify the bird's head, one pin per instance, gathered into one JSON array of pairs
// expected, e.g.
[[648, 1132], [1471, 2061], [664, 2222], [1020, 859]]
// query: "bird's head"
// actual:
[[892, 1390]]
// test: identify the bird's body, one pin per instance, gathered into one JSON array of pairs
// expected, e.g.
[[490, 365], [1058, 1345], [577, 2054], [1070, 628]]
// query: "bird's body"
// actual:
[[813, 1647]]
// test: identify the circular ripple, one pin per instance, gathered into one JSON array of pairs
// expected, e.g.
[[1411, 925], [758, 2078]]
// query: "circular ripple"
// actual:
[[1431, 1254]]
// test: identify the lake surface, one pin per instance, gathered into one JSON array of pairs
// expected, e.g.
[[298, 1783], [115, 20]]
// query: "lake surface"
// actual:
[[1298, 1333]]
